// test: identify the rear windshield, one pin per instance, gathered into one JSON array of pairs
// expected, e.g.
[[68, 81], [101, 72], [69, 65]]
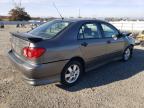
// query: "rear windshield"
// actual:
[[50, 29]]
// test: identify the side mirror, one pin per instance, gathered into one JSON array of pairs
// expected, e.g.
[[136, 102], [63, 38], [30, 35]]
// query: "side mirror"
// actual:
[[114, 37]]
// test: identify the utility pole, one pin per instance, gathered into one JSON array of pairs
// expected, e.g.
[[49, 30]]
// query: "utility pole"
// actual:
[[20, 3], [79, 14]]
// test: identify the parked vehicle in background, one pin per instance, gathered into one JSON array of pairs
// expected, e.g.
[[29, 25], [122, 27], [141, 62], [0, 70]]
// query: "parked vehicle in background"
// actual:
[[1, 25], [132, 37], [62, 50], [140, 38]]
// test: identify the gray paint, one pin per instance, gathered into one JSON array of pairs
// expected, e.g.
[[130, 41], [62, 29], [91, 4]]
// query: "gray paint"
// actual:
[[61, 49]]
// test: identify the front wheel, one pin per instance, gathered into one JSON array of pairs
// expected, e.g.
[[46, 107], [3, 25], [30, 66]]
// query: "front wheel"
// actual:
[[71, 73], [127, 53], [142, 43]]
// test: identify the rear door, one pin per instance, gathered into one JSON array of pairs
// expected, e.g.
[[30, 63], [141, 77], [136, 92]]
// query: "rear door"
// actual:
[[91, 43], [114, 47]]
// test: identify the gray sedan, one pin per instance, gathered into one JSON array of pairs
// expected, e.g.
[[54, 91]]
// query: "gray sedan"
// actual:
[[62, 50]]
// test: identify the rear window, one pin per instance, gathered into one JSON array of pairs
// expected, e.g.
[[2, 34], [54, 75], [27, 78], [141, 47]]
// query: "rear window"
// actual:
[[50, 29]]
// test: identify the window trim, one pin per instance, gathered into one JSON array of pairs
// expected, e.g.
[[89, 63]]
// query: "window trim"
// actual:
[[98, 28]]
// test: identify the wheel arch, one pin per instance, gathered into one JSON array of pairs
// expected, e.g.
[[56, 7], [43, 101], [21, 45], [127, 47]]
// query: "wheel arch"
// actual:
[[130, 46], [77, 58], [80, 59]]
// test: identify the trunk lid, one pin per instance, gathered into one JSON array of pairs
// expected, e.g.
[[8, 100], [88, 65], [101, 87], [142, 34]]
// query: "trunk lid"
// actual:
[[21, 40]]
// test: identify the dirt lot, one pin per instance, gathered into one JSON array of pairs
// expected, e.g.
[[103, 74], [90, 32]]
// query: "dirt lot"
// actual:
[[116, 85]]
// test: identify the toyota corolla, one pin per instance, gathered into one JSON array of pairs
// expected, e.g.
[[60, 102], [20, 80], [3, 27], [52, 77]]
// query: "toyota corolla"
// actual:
[[62, 50]]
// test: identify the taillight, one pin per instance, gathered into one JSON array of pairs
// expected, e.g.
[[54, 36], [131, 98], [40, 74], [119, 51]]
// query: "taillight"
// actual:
[[33, 53]]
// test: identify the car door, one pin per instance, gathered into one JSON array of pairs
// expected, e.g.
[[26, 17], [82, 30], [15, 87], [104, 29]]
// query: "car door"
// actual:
[[91, 43], [114, 47]]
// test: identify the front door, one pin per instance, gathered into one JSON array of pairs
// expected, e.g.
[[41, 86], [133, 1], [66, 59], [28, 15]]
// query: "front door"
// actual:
[[114, 48]]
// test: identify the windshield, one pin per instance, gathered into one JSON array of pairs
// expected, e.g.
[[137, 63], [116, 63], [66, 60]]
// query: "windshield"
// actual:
[[50, 29]]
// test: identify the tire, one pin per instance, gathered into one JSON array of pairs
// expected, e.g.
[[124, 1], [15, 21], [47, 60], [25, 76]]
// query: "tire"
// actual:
[[142, 43], [71, 73], [127, 54]]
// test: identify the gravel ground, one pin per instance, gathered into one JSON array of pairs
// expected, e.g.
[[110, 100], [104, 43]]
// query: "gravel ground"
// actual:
[[115, 85]]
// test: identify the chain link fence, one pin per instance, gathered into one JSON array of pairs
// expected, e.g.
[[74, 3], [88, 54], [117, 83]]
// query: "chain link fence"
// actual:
[[131, 26]]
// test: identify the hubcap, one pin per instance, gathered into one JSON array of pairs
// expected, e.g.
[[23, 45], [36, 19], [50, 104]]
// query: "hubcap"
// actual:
[[127, 54], [72, 73]]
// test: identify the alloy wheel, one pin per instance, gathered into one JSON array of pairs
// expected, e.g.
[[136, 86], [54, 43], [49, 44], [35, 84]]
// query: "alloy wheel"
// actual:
[[72, 73]]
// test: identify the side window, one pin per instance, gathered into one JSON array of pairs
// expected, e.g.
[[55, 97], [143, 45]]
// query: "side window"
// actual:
[[89, 31], [108, 31]]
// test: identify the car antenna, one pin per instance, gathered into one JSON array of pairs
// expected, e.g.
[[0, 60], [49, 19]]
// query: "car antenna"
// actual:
[[58, 11]]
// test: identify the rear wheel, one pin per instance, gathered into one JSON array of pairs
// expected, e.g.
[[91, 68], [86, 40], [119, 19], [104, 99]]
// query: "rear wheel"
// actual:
[[71, 73], [127, 53]]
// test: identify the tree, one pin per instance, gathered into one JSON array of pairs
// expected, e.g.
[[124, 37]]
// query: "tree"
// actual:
[[0, 18], [19, 14]]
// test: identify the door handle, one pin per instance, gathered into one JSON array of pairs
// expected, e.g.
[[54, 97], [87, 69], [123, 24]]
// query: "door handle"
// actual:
[[84, 44], [108, 41]]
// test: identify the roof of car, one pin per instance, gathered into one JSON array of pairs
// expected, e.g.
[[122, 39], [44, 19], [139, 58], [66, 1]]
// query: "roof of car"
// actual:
[[81, 19]]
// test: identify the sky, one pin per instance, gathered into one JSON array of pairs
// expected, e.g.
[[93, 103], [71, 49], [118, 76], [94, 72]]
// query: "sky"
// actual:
[[70, 8]]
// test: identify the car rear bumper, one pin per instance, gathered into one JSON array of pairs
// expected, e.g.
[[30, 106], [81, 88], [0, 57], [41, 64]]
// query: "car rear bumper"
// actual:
[[36, 74]]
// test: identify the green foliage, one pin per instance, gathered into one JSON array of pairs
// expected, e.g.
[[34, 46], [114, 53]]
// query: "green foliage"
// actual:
[[19, 14]]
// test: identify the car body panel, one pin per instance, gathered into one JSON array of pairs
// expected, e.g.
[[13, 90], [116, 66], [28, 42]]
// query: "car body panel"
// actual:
[[37, 71]]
